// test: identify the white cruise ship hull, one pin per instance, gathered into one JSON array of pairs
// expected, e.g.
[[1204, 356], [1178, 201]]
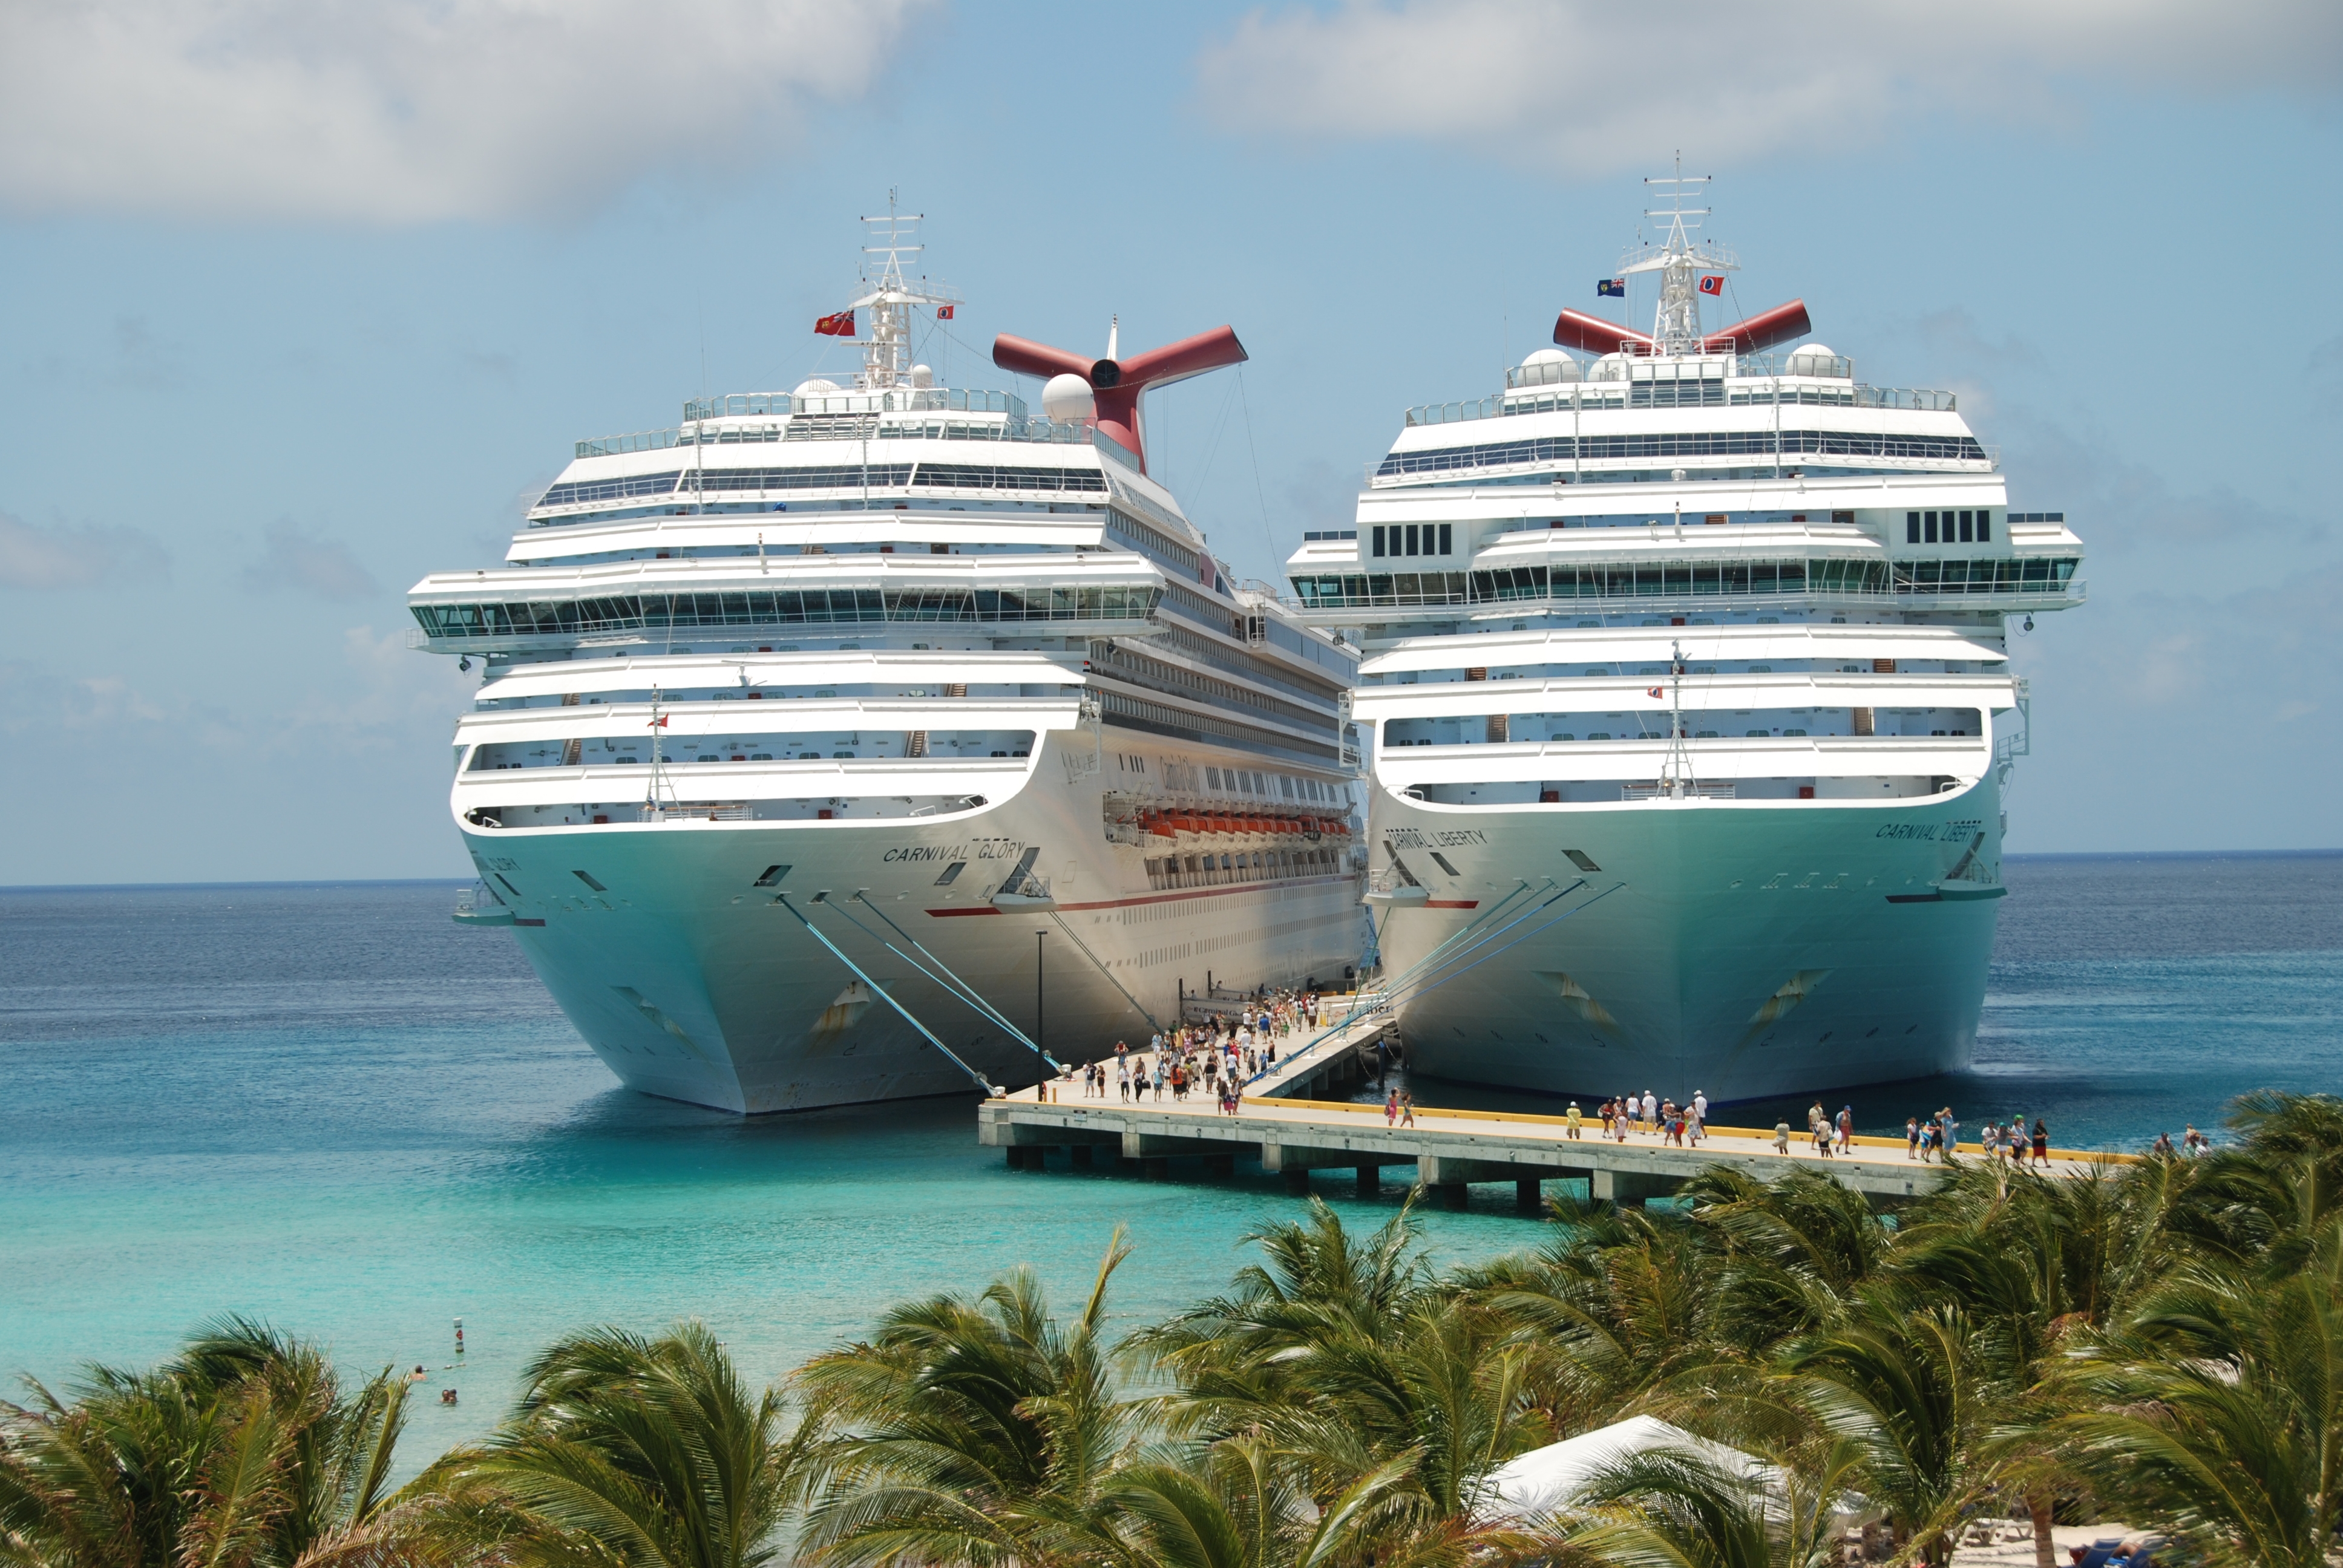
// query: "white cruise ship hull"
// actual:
[[1741, 949], [693, 984]]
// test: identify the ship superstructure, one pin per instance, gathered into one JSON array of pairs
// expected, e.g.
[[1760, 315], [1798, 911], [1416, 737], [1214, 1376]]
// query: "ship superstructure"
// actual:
[[823, 733], [1688, 706]]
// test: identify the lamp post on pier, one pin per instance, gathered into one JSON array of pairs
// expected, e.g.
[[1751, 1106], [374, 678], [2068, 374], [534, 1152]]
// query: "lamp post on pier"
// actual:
[[1041, 1057]]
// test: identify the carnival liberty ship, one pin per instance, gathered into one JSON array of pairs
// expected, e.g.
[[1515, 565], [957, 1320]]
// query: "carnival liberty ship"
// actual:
[[800, 720], [1684, 661]]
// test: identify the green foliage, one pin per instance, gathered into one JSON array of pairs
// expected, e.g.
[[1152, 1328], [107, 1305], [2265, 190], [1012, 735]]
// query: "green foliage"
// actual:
[[242, 1451]]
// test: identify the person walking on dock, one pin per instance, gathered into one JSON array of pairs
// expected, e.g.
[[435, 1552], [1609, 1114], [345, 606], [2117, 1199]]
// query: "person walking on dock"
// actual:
[[1699, 1114], [1911, 1138], [2041, 1143], [1391, 1107], [1572, 1118], [1651, 1111], [1782, 1137], [1406, 1109], [1846, 1128]]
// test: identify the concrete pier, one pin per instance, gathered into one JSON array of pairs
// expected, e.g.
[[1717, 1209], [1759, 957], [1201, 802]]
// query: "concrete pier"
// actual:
[[1452, 1150]]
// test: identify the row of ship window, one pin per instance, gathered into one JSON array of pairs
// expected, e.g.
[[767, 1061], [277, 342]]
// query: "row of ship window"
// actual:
[[1414, 539], [1684, 444], [841, 476], [1662, 735], [628, 751], [1976, 528], [1827, 578], [1180, 724], [650, 612]]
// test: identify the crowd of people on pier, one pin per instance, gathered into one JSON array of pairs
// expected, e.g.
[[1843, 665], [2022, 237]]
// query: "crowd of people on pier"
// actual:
[[1218, 1053], [1214, 1053]]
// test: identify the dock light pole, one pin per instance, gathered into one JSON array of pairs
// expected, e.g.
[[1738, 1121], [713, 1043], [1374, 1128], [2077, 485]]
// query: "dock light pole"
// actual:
[[1041, 1057]]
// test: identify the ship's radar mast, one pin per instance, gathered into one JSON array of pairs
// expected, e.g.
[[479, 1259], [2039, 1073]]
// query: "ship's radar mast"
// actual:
[[1680, 262], [889, 295]]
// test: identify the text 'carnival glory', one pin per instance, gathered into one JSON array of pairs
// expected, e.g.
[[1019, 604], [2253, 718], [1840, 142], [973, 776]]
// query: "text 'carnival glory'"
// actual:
[[821, 734], [1686, 661]]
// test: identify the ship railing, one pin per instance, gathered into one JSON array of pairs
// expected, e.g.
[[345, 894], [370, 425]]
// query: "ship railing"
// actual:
[[1599, 470], [841, 427], [1711, 391], [698, 811], [1923, 596], [890, 400]]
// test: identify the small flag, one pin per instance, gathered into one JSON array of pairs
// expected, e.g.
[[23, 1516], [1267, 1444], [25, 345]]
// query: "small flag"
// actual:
[[1611, 289], [659, 723], [1712, 284], [1655, 690], [943, 313], [838, 325]]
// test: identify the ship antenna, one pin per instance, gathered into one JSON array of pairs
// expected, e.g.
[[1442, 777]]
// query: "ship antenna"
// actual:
[[659, 765], [1675, 773], [1680, 262], [890, 296]]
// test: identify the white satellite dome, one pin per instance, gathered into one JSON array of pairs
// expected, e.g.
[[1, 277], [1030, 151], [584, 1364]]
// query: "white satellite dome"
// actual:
[[1546, 365], [1067, 398], [1610, 367], [1815, 359], [921, 376], [816, 387]]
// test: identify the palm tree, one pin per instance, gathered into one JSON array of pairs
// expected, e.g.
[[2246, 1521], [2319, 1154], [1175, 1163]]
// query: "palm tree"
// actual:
[[1672, 1509], [1346, 1355], [242, 1450], [1626, 1311], [1239, 1505], [1902, 1386], [2219, 1408], [627, 1452], [968, 1431], [2275, 1201], [2036, 1267], [1315, 1281]]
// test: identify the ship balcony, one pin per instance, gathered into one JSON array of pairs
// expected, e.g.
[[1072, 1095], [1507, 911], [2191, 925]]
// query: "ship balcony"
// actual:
[[517, 609], [2005, 584], [1770, 766]]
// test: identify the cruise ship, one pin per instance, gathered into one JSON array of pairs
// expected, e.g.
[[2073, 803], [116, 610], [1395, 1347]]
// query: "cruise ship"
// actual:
[[881, 740], [1687, 703]]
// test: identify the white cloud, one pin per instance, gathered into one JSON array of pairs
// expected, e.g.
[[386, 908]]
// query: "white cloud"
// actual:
[[406, 111], [1595, 86], [290, 558], [35, 558]]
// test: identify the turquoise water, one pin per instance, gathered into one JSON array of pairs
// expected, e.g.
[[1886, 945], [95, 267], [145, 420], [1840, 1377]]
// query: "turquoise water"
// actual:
[[334, 1108]]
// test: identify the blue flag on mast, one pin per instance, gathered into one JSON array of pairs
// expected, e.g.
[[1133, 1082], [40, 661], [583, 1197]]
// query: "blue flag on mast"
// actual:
[[1611, 287]]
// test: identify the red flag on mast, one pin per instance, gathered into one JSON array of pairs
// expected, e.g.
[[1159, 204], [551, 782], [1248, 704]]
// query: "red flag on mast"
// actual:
[[838, 325]]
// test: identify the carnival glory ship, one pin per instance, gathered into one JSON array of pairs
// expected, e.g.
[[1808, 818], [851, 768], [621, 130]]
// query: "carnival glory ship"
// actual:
[[1686, 659], [814, 730]]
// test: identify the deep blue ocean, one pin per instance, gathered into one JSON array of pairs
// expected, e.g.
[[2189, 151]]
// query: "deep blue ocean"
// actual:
[[332, 1107]]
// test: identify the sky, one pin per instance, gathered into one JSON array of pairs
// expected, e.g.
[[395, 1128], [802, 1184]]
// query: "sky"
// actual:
[[306, 300]]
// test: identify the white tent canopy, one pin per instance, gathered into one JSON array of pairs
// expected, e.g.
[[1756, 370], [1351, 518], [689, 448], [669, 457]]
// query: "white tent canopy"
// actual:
[[1549, 1479]]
